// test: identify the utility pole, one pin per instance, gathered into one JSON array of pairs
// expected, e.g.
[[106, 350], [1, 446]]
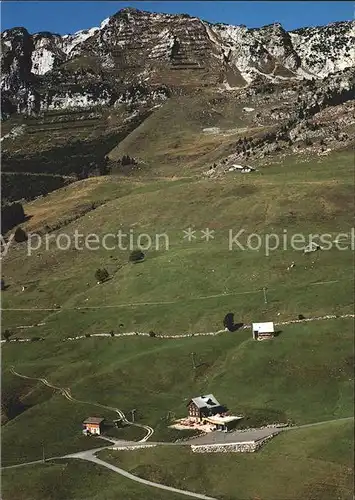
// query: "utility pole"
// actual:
[[43, 458], [265, 297], [132, 413], [193, 360]]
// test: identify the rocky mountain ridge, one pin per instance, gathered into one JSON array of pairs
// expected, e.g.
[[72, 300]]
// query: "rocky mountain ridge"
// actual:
[[171, 92], [46, 71]]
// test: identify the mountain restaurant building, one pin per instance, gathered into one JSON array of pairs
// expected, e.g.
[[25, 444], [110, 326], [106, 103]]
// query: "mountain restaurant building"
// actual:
[[204, 406]]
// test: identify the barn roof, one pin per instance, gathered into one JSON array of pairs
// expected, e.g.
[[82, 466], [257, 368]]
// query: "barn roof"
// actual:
[[267, 327], [208, 401], [93, 420]]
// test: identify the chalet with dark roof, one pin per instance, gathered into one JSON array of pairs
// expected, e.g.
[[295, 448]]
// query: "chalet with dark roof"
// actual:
[[204, 406]]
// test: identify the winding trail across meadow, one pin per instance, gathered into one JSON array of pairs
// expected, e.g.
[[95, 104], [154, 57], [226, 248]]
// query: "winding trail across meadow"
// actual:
[[90, 455], [67, 394]]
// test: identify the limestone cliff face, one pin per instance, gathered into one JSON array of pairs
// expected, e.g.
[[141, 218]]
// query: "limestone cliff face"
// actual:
[[96, 66]]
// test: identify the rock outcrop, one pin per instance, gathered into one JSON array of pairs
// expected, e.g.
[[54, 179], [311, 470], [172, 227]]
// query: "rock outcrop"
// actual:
[[44, 71]]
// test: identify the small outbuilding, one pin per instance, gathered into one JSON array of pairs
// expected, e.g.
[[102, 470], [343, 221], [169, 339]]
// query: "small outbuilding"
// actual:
[[223, 423], [312, 247], [93, 425], [247, 169], [262, 331], [241, 168]]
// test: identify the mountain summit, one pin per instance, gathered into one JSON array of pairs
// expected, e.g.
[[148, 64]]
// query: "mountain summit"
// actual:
[[44, 71]]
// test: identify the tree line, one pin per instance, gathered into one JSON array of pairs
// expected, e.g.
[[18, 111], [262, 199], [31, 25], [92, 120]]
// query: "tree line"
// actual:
[[11, 215]]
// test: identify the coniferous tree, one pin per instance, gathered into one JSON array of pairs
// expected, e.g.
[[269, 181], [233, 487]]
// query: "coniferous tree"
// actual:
[[101, 275]]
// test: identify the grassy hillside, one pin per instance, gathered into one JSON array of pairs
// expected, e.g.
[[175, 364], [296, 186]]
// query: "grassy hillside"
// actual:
[[173, 139], [78, 480], [185, 286], [303, 375], [311, 463]]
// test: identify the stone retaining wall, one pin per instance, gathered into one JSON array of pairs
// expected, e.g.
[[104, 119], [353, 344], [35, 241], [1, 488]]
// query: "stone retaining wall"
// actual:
[[183, 335], [132, 447], [244, 447], [269, 426]]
